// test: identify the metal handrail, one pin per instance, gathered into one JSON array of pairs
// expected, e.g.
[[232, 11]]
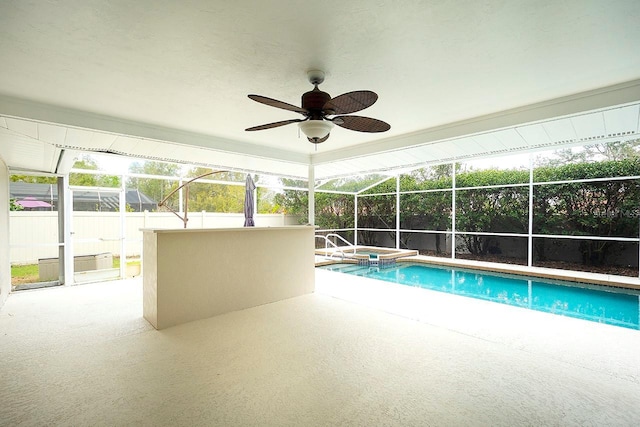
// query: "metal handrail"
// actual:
[[339, 237], [326, 242]]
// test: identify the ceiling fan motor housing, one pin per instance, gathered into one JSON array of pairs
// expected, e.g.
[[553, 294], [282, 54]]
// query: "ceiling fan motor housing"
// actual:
[[313, 101]]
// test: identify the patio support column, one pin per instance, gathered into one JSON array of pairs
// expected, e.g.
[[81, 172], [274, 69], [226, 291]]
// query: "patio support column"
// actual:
[[123, 228], [312, 195], [398, 211], [453, 210], [61, 228], [530, 237], [65, 210], [5, 252], [355, 219], [180, 201]]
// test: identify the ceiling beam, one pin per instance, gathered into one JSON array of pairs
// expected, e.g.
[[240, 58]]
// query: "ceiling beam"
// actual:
[[598, 99], [39, 112]]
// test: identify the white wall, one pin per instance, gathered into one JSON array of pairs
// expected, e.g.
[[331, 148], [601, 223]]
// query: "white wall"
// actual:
[[195, 274], [34, 234], [5, 266]]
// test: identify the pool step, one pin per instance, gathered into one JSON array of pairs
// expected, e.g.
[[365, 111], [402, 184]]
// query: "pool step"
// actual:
[[350, 268], [343, 268]]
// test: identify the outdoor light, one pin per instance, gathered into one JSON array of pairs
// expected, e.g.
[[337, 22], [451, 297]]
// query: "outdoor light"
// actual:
[[316, 129]]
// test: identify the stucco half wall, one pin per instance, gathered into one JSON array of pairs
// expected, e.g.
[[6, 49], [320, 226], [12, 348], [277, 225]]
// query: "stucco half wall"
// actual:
[[199, 273]]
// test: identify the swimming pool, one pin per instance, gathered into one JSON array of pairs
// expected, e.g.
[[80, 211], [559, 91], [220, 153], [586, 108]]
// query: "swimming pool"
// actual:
[[619, 307], [365, 254]]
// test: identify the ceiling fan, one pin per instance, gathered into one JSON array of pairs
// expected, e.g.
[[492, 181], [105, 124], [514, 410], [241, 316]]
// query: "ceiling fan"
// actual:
[[318, 106]]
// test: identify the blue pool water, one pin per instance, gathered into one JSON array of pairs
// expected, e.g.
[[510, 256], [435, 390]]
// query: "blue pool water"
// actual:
[[595, 303]]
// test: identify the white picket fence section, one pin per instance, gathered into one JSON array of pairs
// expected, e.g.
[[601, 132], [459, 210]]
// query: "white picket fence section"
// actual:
[[34, 235]]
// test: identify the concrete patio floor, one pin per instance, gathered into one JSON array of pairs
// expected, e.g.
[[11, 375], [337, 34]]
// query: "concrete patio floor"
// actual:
[[356, 352]]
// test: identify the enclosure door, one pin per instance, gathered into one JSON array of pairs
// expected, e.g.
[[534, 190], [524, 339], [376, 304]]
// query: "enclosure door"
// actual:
[[34, 249], [97, 233]]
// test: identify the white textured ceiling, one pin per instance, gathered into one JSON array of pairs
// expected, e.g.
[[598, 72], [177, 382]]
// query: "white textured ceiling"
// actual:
[[177, 73]]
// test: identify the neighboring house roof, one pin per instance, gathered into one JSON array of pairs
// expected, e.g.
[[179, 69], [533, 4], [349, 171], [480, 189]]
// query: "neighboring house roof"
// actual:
[[82, 200]]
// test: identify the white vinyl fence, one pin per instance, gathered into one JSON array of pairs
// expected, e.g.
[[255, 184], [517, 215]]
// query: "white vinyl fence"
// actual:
[[34, 235]]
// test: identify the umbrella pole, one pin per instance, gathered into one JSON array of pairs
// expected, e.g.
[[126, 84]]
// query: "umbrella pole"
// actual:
[[186, 199]]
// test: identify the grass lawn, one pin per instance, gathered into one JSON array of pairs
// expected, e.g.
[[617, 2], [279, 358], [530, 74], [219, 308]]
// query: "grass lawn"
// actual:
[[29, 273]]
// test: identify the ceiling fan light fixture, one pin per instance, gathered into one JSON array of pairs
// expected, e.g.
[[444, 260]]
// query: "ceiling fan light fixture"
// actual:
[[317, 106], [316, 128]]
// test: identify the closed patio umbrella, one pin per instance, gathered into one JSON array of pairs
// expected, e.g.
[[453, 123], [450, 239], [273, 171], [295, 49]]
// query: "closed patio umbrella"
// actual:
[[248, 202]]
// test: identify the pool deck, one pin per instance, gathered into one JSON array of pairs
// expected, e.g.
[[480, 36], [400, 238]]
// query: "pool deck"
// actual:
[[357, 352], [542, 272]]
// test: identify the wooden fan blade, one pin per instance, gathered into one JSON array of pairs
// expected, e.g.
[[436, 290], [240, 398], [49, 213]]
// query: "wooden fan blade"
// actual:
[[275, 124], [278, 104], [350, 102], [362, 124]]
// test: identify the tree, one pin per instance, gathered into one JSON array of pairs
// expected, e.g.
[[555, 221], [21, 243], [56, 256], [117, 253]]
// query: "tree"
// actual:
[[155, 188], [31, 179], [334, 211], [428, 178], [293, 202], [607, 208], [91, 180], [500, 209], [202, 195], [209, 197], [13, 206], [377, 209], [426, 211], [267, 201], [616, 150], [490, 201], [490, 210]]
